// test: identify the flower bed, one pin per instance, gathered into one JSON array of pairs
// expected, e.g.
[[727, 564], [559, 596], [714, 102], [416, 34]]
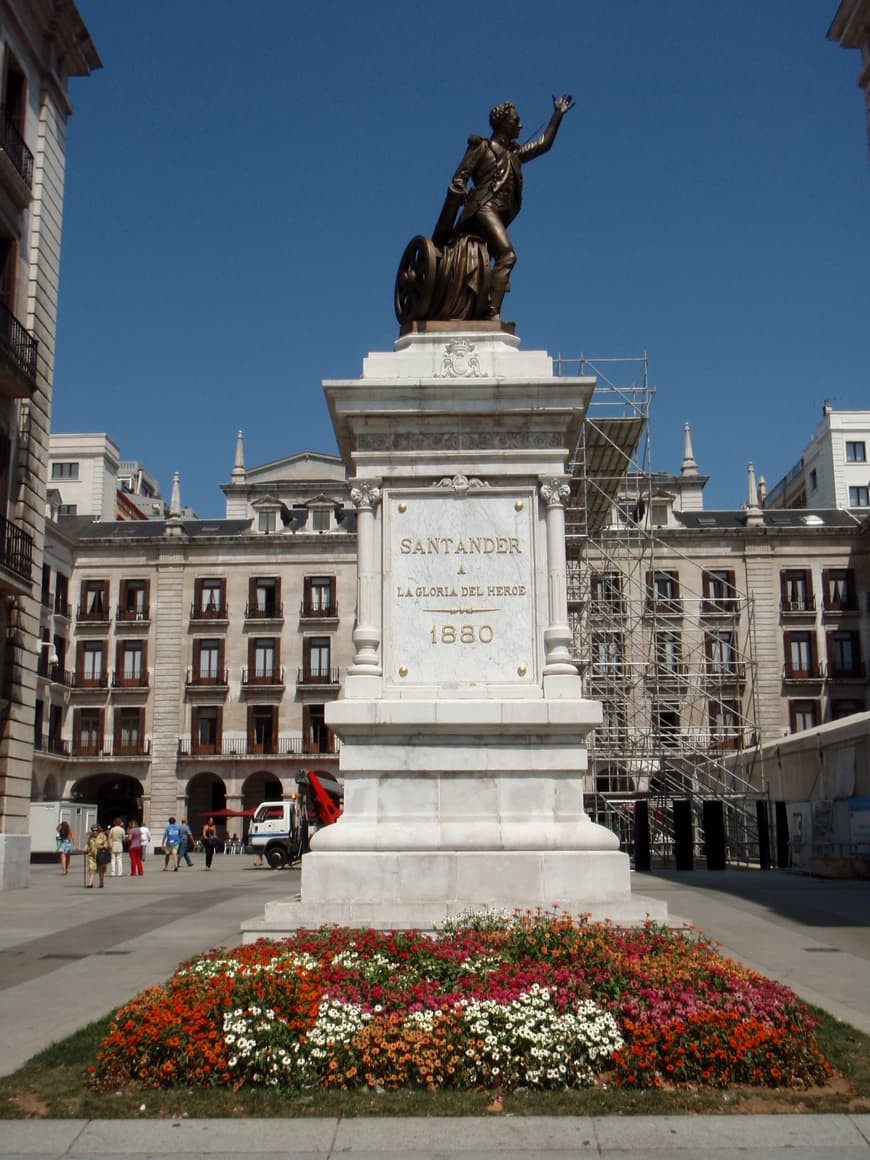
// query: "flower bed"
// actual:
[[492, 1001]]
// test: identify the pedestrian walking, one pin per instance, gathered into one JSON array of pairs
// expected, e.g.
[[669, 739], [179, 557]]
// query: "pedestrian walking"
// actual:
[[98, 855], [134, 846], [186, 843], [171, 840], [209, 841], [64, 845], [146, 840], [117, 837]]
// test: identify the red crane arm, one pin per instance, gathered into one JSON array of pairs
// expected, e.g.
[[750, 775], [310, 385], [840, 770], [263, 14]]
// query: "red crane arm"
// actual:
[[326, 807]]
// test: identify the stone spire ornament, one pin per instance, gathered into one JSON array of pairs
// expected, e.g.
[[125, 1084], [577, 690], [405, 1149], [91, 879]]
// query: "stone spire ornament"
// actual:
[[239, 473], [754, 518], [175, 498], [690, 466], [174, 526]]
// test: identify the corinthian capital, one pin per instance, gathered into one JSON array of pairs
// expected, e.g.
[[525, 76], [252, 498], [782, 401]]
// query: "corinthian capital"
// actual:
[[365, 493], [555, 490]]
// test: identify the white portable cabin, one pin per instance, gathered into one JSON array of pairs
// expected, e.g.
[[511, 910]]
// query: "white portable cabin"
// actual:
[[45, 817]]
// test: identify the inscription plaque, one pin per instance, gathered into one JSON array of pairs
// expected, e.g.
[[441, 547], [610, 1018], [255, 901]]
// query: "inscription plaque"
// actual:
[[459, 588]]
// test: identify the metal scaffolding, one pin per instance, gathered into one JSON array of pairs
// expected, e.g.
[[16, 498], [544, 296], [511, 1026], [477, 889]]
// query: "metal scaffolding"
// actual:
[[670, 662]]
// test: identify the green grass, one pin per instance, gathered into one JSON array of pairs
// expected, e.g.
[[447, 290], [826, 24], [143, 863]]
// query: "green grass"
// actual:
[[55, 1084]]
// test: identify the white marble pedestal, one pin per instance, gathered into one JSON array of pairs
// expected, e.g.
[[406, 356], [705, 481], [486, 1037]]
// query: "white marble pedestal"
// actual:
[[462, 721]]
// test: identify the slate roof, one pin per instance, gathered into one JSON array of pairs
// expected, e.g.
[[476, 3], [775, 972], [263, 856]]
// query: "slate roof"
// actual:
[[86, 528], [775, 518]]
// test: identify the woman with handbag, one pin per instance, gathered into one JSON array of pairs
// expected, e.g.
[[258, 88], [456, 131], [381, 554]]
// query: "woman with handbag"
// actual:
[[99, 855], [209, 841]]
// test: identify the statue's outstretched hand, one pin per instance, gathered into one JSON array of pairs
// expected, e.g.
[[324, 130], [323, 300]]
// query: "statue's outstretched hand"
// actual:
[[564, 103]]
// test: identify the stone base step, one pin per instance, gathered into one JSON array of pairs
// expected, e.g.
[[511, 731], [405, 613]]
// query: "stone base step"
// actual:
[[285, 918]]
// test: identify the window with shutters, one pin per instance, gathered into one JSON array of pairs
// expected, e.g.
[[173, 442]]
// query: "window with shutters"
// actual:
[[800, 656], [94, 605], [91, 664], [205, 724], [796, 589]]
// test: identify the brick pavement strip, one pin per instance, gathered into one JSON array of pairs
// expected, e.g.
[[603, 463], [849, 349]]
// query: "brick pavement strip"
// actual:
[[431, 1138]]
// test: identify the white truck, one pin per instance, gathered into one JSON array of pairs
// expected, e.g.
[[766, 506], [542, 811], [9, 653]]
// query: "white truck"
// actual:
[[45, 817], [279, 830]]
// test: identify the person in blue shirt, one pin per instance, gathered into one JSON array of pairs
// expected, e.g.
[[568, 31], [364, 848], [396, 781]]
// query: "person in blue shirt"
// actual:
[[171, 842], [186, 843]]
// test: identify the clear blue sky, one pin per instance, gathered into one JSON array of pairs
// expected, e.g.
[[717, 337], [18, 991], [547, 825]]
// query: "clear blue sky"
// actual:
[[243, 177]]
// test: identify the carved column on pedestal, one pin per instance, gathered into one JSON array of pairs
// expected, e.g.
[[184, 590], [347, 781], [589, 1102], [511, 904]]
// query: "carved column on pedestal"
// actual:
[[555, 491], [365, 494]]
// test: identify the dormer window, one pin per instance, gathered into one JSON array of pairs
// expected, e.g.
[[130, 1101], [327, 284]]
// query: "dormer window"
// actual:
[[661, 509], [268, 514]]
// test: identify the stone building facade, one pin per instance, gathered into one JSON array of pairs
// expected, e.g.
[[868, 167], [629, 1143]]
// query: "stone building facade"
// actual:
[[195, 657], [833, 470], [43, 44]]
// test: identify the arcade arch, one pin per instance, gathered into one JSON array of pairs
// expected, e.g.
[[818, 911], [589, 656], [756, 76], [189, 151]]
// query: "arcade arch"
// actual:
[[206, 793], [48, 791], [261, 786], [115, 795]]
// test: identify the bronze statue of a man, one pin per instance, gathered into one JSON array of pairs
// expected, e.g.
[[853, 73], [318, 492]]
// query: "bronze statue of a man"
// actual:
[[494, 167], [463, 270]]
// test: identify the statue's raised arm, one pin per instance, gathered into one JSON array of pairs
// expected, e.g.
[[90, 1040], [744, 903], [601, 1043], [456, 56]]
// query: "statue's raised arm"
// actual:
[[463, 272]]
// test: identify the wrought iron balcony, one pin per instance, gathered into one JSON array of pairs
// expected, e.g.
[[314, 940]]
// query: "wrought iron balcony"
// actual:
[[726, 737], [813, 672], [603, 669], [55, 746], [726, 671], [90, 746], [13, 146], [309, 611], [323, 742], [82, 680], [122, 680], [800, 607], [847, 604], [87, 746], [133, 615], [657, 605], [16, 549], [257, 676], [18, 363], [606, 607], [324, 677], [95, 615], [197, 680], [133, 748], [720, 605], [284, 745], [667, 672], [270, 611], [210, 613]]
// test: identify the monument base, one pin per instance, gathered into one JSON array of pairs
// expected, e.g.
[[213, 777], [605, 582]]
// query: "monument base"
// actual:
[[462, 722], [394, 890]]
